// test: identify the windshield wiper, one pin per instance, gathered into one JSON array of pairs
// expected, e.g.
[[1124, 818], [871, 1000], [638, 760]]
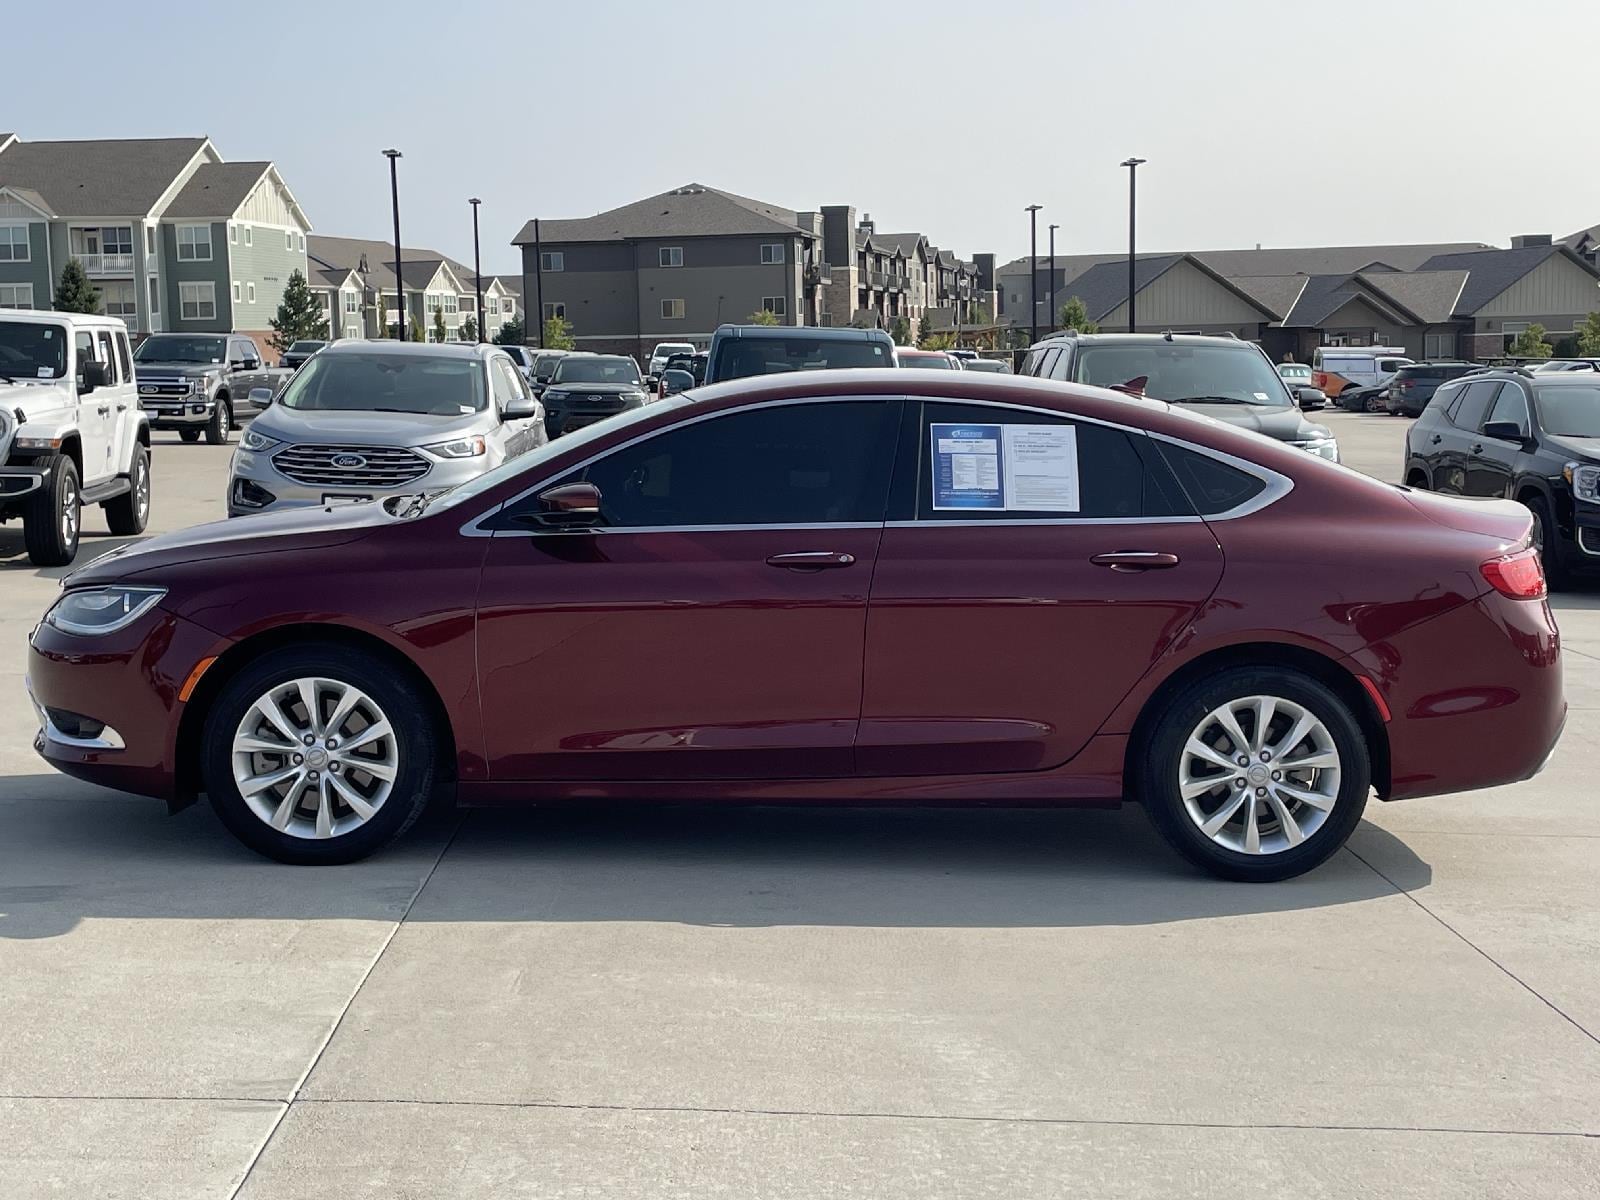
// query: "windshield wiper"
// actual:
[[1212, 400]]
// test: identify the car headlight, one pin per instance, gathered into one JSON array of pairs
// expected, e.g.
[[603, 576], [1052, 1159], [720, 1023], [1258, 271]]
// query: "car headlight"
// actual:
[[552, 394], [467, 447], [250, 439], [1322, 447], [633, 395], [1585, 481], [92, 611]]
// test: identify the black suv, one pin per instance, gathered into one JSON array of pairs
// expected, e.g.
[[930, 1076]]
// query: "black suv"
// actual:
[[1529, 437], [1222, 377], [1413, 385]]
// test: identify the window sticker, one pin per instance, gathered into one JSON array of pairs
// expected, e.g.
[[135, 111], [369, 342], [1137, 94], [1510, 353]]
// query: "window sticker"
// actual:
[[1005, 468]]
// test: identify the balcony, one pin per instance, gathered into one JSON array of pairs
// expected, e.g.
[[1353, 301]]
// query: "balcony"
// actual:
[[106, 264], [819, 274], [875, 279]]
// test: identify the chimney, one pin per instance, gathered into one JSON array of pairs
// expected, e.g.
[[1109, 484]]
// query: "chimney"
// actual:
[[1523, 240], [363, 268], [866, 224]]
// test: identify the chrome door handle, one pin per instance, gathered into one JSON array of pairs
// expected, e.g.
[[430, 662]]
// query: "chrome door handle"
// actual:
[[811, 560], [1135, 560]]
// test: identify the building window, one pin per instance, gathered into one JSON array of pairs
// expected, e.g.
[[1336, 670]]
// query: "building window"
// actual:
[[16, 295], [119, 299], [249, 293], [672, 256], [288, 240], [233, 234], [155, 295], [469, 304], [552, 260], [352, 331], [492, 306], [197, 301], [13, 243], [194, 243], [771, 252], [672, 310], [509, 307], [238, 292], [1510, 330], [352, 302], [1439, 345], [150, 241], [302, 241], [554, 312], [451, 303], [249, 235], [776, 305]]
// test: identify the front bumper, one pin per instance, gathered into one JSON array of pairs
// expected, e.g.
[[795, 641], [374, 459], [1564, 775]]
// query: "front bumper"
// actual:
[[252, 476], [19, 481], [565, 415], [177, 412]]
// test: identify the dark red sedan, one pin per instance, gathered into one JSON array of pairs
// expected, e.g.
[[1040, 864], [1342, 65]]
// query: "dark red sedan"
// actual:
[[884, 587]]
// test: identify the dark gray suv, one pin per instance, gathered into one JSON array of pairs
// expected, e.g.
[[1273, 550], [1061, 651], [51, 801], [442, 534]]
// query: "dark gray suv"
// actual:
[[1222, 377]]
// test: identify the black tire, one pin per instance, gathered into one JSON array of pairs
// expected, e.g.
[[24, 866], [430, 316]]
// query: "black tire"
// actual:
[[1374, 403], [50, 536], [1552, 550], [220, 428], [402, 704], [129, 513], [1159, 762], [189, 435]]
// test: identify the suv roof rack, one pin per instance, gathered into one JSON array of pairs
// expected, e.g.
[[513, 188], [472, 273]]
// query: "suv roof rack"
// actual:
[[1169, 333]]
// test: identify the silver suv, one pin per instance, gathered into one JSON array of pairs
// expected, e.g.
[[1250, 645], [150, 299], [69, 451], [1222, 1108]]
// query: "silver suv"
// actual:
[[364, 420]]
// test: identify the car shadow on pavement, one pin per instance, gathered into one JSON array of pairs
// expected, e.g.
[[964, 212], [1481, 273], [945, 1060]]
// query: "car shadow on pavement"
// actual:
[[70, 853], [14, 555]]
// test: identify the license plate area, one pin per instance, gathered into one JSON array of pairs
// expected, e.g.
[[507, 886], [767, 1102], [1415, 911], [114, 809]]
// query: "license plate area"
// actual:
[[329, 499]]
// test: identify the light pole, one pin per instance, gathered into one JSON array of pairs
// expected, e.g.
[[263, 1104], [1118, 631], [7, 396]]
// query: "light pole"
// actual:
[[1133, 172], [1033, 272], [1054, 312], [477, 267], [399, 279]]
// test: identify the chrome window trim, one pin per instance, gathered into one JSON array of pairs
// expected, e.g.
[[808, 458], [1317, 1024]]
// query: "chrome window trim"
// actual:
[[1277, 486]]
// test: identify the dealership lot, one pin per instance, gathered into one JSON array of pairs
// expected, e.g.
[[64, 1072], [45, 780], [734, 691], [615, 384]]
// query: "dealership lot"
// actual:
[[782, 1003]]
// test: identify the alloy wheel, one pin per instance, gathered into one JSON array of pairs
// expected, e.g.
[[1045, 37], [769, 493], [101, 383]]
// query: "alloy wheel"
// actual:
[[71, 513], [141, 491], [315, 758], [1259, 774]]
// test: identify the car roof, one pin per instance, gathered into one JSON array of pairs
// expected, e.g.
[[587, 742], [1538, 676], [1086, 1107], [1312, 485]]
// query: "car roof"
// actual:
[[48, 317], [811, 333], [1182, 339], [392, 347]]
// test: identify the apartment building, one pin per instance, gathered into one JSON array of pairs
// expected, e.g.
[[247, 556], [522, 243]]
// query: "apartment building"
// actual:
[[355, 279], [173, 237], [878, 278]]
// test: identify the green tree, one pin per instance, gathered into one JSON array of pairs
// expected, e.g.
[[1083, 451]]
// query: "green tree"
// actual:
[[509, 334], [1589, 336], [978, 316], [900, 331], [1074, 315], [939, 341], [415, 334], [75, 294], [469, 330], [439, 330], [558, 334], [1530, 343], [924, 329], [300, 315], [762, 316]]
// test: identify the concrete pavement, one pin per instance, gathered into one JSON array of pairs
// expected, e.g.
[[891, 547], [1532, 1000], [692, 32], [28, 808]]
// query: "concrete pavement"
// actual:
[[700, 1002]]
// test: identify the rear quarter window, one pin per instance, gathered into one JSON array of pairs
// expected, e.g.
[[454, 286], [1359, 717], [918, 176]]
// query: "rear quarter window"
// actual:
[[1213, 487]]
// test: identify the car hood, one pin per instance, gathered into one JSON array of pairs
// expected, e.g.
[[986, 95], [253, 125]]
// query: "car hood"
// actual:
[[30, 399], [1578, 447], [187, 369], [1284, 423], [595, 389], [362, 428], [264, 533]]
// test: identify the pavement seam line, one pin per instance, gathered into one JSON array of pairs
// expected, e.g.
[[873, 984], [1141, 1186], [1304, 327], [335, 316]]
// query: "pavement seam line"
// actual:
[[294, 1095], [1484, 954]]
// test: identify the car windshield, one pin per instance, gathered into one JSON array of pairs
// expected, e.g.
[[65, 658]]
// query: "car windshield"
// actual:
[[425, 384], [1179, 371], [306, 347], [740, 357], [667, 348], [601, 368], [535, 460], [32, 351], [1570, 410], [182, 348]]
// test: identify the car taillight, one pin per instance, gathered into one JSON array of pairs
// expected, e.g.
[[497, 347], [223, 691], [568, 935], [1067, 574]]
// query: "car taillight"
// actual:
[[1406, 383], [1519, 575]]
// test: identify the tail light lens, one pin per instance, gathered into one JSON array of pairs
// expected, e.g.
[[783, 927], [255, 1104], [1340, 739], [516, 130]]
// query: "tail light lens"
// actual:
[[1519, 575]]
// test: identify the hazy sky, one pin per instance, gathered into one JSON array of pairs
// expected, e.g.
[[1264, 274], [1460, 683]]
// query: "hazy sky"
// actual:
[[1280, 122]]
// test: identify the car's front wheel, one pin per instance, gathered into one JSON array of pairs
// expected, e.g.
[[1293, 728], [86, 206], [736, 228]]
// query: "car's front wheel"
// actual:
[[319, 754], [1255, 773], [220, 427]]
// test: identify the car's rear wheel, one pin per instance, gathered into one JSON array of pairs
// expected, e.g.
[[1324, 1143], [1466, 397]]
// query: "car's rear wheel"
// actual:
[[1255, 773], [319, 754], [129, 513], [1375, 403]]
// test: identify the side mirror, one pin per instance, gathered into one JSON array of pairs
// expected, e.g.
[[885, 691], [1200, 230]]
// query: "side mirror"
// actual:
[[566, 506], [675, 381], [1505, 431], [252, 364], [91, 375], [261, 397], [521, 408], [1309, 396]]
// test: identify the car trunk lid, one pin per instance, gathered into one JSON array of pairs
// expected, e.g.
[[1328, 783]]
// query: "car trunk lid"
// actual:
[[1505, 521]]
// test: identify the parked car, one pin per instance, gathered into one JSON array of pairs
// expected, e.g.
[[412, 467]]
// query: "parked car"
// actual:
[[1551, 365], [674, 604], [962, 355], [524, 358], [544, 366], [1335, 368], [740, 351], [590, 387], [694, 365], [1296, 374], [992, 365], [927, 360], [664, 351], [295, 356], [1413, 385], [1373, 399], [365, 420], [1222, 378], [186, 381], [71, 430], [1524, 436]]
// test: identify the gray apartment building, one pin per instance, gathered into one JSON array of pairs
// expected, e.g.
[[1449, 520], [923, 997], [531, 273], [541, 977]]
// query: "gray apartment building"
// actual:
[[672, 267], [173, 237]]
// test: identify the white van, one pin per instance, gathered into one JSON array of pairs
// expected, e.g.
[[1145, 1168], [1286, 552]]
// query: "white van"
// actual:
[[1335, 368]]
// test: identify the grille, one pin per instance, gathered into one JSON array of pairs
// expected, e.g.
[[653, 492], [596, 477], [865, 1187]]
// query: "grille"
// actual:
[[381, 466], [1588, 540]]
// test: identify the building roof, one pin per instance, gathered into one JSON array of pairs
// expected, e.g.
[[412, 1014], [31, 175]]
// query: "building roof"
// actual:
[[1276, 293], [217, 189], [121, 177], [29, 196], [905, 243], [1493, 271], [693, 210], [1431, 295], [1297, 260], [1324, 295]]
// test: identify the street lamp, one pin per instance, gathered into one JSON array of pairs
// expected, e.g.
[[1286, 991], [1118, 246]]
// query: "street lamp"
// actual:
[[477, 266], [399, 279], [1033, 272], [1054, 312], [1133, 171]]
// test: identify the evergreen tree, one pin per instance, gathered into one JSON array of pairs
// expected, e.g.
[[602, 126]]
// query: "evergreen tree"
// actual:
[[1589, 336], [469, 330], [300, 315], [1074, 315], [1530, 343], [509, 334], [900, 331], [439, 330], [924, 329], [414, 332], [75, 294], [558, 334]]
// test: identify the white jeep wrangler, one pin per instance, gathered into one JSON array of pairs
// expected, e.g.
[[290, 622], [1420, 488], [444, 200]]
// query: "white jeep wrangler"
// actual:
[[71, 431]]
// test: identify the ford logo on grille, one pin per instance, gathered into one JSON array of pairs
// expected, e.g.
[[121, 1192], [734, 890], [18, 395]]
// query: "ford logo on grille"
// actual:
[[349, 462]]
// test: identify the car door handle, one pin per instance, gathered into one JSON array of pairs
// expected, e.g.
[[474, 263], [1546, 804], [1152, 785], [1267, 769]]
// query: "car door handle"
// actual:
[[811, 560], [1436, 439], [1477, 447], [1135, 560], [122, 408], [104, 410]]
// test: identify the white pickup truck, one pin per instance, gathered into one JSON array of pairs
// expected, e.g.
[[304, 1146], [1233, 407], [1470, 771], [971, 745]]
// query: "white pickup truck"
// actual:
[[71, 431]]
